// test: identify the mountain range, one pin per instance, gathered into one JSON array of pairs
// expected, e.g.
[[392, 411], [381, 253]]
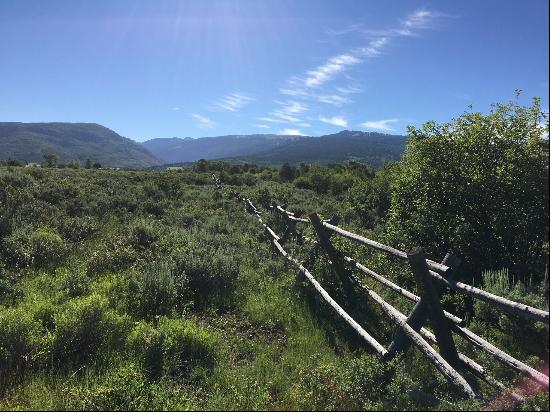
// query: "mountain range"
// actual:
[[366, 147], [80, 141]]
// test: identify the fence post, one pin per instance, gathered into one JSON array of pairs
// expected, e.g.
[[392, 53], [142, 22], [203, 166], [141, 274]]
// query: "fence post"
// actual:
[[418, 316], [290, 229], [335, 257], [430, 296]]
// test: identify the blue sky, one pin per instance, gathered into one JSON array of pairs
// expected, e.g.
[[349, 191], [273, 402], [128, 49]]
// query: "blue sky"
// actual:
[[150, 69]]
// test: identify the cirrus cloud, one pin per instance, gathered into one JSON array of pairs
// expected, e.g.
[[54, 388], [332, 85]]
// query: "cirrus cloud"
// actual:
[[379, 124]]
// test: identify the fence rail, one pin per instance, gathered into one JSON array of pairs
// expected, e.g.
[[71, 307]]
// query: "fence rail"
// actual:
[[409, 329]]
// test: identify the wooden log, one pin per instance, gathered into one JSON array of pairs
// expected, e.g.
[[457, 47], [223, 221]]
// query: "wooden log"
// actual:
[[474, 367], [506, 305], [418, 316], [403, 292], [430, 297], [335, 257], [373, 343], [502, 356], [439, 362], [438, 267]]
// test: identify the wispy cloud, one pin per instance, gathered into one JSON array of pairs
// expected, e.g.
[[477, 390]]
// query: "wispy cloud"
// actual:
[[379, 124], [421, 19], [327, 71], [379, 39], [262, 126], [291, 132], [203, 120], [287, 112], [334, 120], [175, 109], [233, 102]]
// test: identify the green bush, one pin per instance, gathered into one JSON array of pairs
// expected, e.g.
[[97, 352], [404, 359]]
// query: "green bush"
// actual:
[[41, 248], [112, 257], [174, 347], [47, 249], [125, 388], [478, 185], [20, 343], [210, 279], [143, 235], [10, 291], [153, 290], [77, 229], [83, 326]]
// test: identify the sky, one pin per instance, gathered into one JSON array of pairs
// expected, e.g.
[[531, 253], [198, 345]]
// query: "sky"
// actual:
[[156, 69]]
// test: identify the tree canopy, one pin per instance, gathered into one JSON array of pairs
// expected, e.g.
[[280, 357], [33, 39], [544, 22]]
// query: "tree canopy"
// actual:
[[477, 185]]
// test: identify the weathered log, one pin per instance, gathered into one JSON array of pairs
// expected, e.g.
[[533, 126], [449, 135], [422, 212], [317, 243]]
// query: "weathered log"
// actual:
[[502, 356], [431, 298], [403, 292], [439, 362], [419, 315], [438, 267], [506, 305], [335, 257], [341, 312], [473, 367]]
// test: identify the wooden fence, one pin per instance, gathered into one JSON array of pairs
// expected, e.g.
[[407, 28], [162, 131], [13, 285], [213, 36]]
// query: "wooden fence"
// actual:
[[432, 278]]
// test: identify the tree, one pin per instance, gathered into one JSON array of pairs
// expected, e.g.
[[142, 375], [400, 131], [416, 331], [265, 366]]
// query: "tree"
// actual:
[[286, 173], [50, 160], [477, 185], [88, 164], [201, 166], [97, 165], [74, 164]]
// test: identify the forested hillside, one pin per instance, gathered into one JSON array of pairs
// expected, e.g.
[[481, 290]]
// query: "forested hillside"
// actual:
[[141, 290], [366, 147], [178, 150], [29, 142]]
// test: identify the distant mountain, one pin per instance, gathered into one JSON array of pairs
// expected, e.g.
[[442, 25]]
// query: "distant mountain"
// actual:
[[365, 147], [72, 141], [180, 150]]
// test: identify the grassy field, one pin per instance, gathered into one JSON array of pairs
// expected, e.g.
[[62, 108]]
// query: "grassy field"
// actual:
[[154, 290]]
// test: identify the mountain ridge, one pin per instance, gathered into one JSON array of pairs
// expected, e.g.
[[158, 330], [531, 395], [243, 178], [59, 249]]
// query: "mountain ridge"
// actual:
[[367, 147], [72, 141]]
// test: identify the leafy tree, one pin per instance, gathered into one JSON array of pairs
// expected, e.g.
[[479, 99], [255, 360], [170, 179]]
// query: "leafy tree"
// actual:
[[286, 173], [97, 165], [201, 166], [477, 185], [88, 164], [50, 160], [369, 198], [75, 164]]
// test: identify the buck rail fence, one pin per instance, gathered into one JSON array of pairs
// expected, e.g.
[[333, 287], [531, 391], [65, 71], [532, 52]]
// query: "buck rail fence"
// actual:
[[432, 279]]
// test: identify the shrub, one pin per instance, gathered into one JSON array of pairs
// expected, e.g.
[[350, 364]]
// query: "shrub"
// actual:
[[85, 325], [76, 229], [153, 290], [210, 278], [172, 348], [143, 235], [10, 292], [20, 342], [47, 249], [41, 248], [125, 388], [113, 257]]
